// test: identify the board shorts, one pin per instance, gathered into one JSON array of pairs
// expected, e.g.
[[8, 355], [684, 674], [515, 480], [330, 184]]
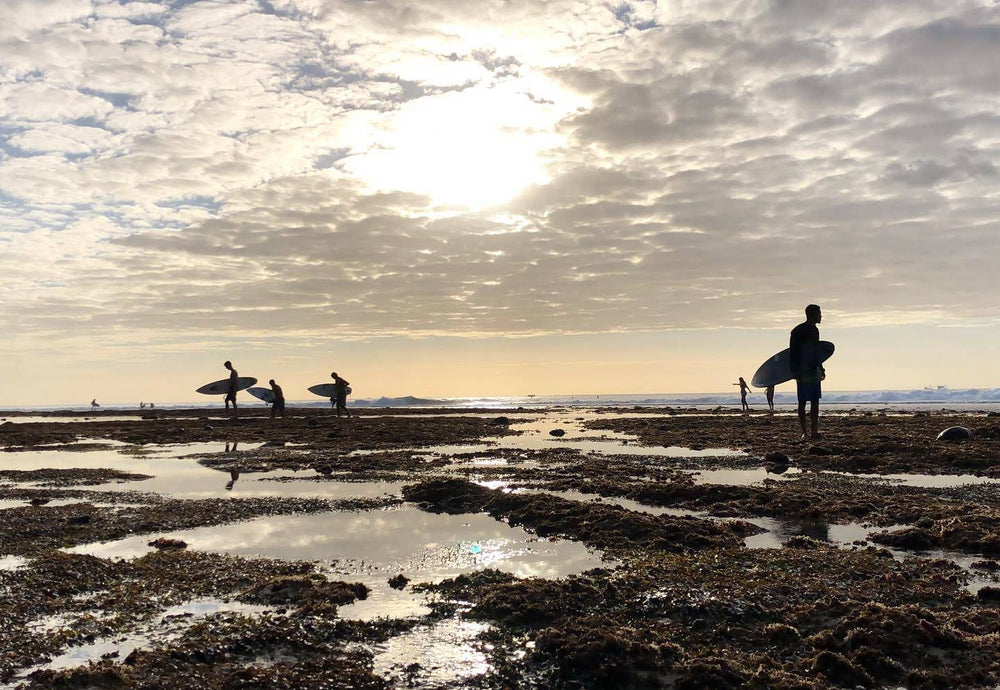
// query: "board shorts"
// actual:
[[278, 406], [341, 399], [230, 397], [809, 388]]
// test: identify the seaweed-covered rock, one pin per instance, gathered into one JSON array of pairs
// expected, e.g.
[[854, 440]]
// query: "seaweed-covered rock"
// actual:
[[840, 670], [954, 433], [299, 589]]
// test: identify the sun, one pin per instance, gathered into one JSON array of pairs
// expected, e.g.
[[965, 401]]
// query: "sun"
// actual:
[[473, 149]]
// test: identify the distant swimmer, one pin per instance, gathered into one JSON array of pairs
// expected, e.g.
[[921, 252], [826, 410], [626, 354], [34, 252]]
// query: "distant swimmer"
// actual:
[[151, 405], [339, 398], [803, 354], [744, 390], [231, 391], [94, 404], [278, 406], [769, 394]]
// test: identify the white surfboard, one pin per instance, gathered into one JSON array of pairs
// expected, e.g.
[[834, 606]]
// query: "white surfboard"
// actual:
[[326, 390], [221, 387]]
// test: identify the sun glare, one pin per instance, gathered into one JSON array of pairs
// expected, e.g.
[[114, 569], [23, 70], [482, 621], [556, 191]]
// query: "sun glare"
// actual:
[[474, 148]]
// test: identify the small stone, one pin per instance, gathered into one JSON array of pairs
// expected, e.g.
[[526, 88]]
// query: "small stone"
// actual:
[[501, 421], [399, 582], [39, 501], [164, 544], [208, 427], [325, 469], [954, 433], [557, 433], [777, 458]]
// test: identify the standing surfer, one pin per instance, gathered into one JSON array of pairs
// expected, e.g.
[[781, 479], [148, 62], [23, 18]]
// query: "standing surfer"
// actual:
[[769, 394], [234, 380], [744, 390], [340, 393], [802, 359]]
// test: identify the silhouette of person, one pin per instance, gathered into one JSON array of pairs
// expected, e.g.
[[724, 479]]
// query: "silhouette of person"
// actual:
[[340, 393], [278, 406], [769, 393], [94, 404], [744, 390], [142, 405], [802, 358], [233, 476], [231, 391], [151, 405]]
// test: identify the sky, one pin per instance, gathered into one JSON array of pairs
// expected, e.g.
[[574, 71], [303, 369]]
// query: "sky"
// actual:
[[501, 197]]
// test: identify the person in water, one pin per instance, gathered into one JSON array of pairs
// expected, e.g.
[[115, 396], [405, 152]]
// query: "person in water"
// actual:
[[234, 379], [769, 394], [802, 358], [94, 404], [340, 393], [744, 390], [278, 406]]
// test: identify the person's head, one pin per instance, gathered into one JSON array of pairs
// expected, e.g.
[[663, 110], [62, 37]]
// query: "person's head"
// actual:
[[271, 382], [813, 314], [228, 364], [333, 375], [742, 381]]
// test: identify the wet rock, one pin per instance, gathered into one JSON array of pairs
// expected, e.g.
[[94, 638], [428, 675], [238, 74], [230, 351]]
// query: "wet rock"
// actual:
[[78, 520], [399, 582], [163, 543], [954, 433], [988, 566], [39, 501], [557, 433], [300, 589], [820, 450], [915, 538], [273, 444], [841, 671], [782, 634], [776, 458], [208, 427], [501, 421], [325, 469], [801, 541], [989, 593]]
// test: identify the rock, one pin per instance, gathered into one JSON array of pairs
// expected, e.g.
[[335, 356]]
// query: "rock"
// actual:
[[208, 427], [841, 671], [954, 433], [39, 501], [273, 444], [325, 469], [501, 421], [164, 544], [296, 589], [820, 450], [78, 520], [989, 593], [988, 566], [993, 414], [915, 538], [777, 458], [557, 433], [399, 582]]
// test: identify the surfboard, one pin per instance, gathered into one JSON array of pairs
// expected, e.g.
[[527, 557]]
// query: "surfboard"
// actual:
[[325, 390], [265, 394], [778, 370], [221, 387]]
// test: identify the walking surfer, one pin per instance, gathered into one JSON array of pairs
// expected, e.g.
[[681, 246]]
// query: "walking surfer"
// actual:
[[278, 406], [802, 357], [340, 393], [231, 391]]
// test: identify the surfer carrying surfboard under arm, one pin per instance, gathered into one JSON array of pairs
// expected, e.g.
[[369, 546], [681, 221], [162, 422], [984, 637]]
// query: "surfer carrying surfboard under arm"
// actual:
[[231, 391], [340, 393], [803, 360]]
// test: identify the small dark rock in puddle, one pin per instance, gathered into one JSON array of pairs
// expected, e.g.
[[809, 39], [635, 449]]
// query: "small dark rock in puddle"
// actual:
[[164, 543], [39, 501], [273, 444], [399, 582], [208, 427], [954, 433], [776, 457], [776, 468], [557, 433], [501, 421], [915, 538], [325, 469], [78, 520]]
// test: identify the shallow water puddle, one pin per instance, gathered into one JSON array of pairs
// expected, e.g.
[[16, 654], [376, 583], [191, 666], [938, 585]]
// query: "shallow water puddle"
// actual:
[[168, 626], [435, 656], [12, 562]]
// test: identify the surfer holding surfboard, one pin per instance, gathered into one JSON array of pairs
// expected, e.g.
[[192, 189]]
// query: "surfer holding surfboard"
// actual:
[[234, 382], [804, 361], [340, 393]]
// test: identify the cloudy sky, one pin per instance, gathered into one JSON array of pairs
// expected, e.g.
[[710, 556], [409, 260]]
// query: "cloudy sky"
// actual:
[[494, 197]]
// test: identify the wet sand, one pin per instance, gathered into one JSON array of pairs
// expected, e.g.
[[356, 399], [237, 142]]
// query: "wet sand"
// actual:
[[638, 549]]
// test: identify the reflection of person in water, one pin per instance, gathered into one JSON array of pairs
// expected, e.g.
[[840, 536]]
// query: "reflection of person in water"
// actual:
[[233, 476], [278, 406], [744, 390], [802, 358], [769, 394], [234, 448]]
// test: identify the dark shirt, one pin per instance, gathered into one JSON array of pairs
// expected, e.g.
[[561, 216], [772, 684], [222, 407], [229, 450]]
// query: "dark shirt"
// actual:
[[801, 356], [340, 386], [234, 381]]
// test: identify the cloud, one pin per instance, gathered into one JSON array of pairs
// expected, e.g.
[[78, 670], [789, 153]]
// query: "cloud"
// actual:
[[325, 168]]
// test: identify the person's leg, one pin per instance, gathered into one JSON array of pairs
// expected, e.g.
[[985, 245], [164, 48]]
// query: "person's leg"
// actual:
[[814, 417], [802, 418]]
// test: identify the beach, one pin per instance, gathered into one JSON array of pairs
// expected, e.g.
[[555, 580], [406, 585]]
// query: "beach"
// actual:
[[606, 547]]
